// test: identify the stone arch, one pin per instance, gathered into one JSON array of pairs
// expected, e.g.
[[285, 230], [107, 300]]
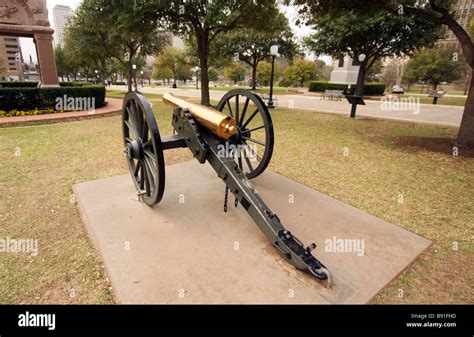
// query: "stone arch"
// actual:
[[16, 12], [29, 18]]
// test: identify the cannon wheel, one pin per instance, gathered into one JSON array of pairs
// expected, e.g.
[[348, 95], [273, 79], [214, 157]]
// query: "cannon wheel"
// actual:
[[143, 148], [255, 135]]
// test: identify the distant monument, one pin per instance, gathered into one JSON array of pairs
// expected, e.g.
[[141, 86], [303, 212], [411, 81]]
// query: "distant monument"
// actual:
[[345, 71], [29, 18]]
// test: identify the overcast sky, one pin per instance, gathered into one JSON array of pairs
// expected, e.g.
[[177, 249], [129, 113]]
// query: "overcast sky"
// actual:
[[29, 49]]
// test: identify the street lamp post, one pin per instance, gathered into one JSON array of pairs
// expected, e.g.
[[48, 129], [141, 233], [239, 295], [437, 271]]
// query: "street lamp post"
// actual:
[[143, 84], [175, 85], [274, 54], [356, 100], [134, 67]]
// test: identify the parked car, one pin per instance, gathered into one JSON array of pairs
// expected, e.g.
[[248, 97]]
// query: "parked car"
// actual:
[[398, 90]]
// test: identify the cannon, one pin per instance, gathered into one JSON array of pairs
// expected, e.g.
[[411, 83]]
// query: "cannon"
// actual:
[[236, 139]]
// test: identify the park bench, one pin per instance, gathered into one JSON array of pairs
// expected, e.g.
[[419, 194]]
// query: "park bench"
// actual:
[[437, 95], [332, 95], [266, 99]]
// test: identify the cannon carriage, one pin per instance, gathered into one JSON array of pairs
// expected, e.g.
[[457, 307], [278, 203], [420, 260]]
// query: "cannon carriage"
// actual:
[[236, 139]]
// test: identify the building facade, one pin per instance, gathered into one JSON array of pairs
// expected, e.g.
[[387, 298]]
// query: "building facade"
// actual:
[[465, 17], [61, 18], [10, 54]]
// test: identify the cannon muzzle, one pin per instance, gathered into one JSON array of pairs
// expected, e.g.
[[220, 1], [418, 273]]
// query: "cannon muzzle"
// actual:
[[212, 119]]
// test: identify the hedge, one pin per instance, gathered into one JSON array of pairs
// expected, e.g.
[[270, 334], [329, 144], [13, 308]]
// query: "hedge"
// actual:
[[371, 89], [26, 98], [33, 84], [18, 84]]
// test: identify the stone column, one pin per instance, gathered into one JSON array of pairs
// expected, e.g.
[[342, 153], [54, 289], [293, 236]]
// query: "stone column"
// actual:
[[46, 60]]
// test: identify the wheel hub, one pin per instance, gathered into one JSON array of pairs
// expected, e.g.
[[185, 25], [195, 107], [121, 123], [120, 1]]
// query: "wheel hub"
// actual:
[[237, 139], [134, 150]]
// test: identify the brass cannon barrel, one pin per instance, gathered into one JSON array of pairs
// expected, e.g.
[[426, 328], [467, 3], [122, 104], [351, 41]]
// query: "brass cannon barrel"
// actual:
[[212, 119]]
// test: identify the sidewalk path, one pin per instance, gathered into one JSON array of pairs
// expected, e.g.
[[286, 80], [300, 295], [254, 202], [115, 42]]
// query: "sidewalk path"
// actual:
[[432, 114]]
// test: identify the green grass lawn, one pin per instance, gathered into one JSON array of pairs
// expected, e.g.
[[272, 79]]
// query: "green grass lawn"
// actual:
[[121, 94], [385, 158]]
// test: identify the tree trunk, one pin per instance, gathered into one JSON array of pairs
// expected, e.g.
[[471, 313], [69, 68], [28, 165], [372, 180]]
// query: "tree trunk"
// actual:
[[466, 131], [203, 53], [254, 75], [130, 76]]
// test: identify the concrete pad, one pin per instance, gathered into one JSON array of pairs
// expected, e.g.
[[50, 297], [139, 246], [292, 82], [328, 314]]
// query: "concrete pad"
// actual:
[[193, 252]]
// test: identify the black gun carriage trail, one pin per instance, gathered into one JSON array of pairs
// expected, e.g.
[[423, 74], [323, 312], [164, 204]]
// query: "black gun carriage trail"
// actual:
[[236, 139]]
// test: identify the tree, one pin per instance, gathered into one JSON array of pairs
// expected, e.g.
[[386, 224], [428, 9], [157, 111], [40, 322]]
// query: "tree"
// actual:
[[300, 72], [374, 71], [235, 72], [437, 12], [264, 72], [123, 30], [85, 52], [375, 34], [213, 75], [161, 72], [252, 45], [389, 74], [434, 66], [205, 21], [323, 70], [60, 62], [173, 59]]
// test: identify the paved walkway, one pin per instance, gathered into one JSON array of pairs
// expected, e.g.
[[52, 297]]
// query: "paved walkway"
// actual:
[[427, 113], [113, 106]]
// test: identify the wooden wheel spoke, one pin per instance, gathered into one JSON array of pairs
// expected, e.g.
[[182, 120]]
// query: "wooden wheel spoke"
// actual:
[[132, 117], [142, 178], [150, 155], [244, 111], [145, 131], [137, 168], [146, 182], [148, 143], [150, 171], [241, 166], [132, 129], [230, 109], [249, 163], [255, 141], [252, 116], [254, 154], [253, 130], [237, 108]]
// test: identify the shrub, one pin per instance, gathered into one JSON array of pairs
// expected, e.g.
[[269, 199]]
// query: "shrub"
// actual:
[[18, 84], [13, 113], [34, 84], [46, 98], [371, 89]]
